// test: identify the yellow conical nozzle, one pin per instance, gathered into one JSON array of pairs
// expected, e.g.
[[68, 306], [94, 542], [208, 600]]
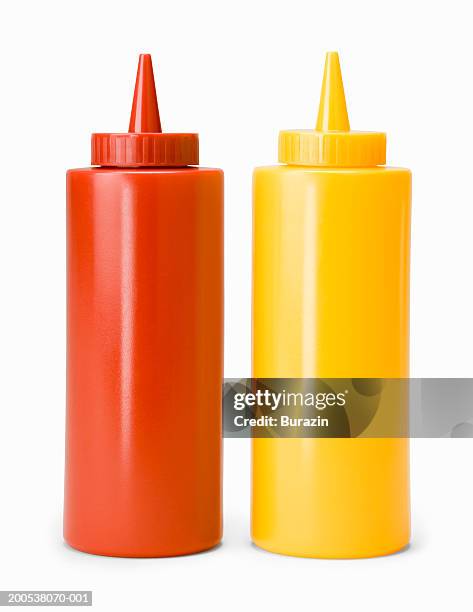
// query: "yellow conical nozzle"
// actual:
[[332, 143], [333, 115]]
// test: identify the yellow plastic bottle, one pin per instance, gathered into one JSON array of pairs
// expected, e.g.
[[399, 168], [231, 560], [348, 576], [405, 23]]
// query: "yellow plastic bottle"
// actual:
[[331, 300]]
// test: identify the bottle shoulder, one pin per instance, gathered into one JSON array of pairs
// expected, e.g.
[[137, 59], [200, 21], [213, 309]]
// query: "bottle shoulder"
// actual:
[[186, 170], [281, 169]]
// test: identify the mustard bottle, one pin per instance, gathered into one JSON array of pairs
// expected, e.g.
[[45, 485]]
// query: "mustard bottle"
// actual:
[[331, 300]]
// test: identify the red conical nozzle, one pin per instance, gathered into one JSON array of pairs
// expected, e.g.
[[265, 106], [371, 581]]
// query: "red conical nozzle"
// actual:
[[145, 113]]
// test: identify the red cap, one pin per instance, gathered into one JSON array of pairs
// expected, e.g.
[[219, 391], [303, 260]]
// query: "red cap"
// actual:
[[145, 144]]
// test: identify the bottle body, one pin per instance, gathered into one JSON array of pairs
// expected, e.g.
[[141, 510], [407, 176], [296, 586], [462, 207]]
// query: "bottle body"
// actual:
[[145, 340], [331, 300]]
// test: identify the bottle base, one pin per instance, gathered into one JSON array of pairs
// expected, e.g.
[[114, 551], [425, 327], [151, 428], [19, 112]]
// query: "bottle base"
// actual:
[[142, 554], [341, 555]]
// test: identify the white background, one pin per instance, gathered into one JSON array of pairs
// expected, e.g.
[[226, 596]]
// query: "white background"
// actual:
[[236, 72]]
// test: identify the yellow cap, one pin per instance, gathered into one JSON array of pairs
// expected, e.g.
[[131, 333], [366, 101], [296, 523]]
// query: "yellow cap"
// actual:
[[332, 143]]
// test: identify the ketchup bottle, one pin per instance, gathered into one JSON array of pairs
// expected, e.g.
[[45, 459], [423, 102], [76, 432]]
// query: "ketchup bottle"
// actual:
[[145, 338]]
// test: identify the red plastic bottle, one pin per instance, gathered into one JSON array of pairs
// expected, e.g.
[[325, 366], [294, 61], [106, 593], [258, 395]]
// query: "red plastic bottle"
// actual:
[[145, 340]]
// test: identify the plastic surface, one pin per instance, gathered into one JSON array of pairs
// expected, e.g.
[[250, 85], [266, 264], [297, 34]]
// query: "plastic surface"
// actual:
[[144, 110], [144, 360], [332, 143], [145, 144], [331, 299]]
